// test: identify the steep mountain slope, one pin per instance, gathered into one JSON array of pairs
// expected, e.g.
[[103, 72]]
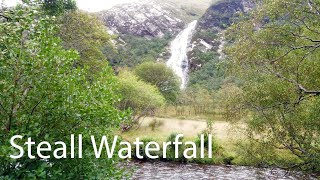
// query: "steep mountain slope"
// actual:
[[140, 19], [223, 13], [206, 56], [145, 29], [153, 18], [209, 34], [187, 10]]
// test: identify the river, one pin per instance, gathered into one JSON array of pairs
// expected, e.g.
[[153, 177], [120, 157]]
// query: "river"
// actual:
[[177, 171]]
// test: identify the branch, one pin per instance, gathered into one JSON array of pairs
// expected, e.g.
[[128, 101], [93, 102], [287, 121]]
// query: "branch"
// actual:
[[3, 109], [301, 87], [305, 37], [6, 17], [24, 94], [34, 108], [309, 28], [311, 5]]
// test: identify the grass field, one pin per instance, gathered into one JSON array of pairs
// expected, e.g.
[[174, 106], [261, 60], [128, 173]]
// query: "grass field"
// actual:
[[225, 133]]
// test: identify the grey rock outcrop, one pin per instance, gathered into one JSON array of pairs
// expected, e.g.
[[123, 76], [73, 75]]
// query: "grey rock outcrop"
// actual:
[[141, 19], [218, 17]]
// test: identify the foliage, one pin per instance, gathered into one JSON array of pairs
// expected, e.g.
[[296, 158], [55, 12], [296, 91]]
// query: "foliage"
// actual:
[[207, 35], [202, 57], [276, 53], [57, 7], [210, 124], [199, 100], [86, 34], [43, 97], [259, 154], [215, 146], [155, 124], [172, 138], [211, 75], [171, 149], [226, 98], [134, 50], [159, 75], [138, 95], [142, 149]]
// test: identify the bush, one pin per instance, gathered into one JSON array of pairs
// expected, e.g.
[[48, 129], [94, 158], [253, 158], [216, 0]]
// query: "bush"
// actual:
[[171, 149], [142, 149], [159, 75], [215, 146], [138, 95], [155, 123], [210, 76], [44, 97]]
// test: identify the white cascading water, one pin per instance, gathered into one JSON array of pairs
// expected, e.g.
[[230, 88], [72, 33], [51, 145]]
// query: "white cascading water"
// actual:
[[221, 46], [178, 61]]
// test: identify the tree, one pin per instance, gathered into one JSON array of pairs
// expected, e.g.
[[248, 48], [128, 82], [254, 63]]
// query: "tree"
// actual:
[[140, 97], [161, 76], [226, 96], [86, 34], [210, 76], [58, 7], [44, 97], [276, 53]]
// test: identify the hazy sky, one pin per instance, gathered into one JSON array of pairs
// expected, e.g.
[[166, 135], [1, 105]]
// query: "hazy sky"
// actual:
[[98, 5], [88, 5]]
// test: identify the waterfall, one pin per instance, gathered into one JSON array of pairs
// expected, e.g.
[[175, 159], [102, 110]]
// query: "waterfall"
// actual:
[[178, 61], [221, 46]]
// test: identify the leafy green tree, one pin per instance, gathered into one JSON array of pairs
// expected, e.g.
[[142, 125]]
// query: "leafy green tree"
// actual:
[[225, 97], [159, 75], [139, 96], [211, 75], [86, 34], [44, 98], [57, 7], [276, 52]]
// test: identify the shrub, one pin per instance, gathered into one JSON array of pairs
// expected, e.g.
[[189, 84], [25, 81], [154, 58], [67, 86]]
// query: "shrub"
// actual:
[[159, 75], [140, 97], [171, 149], [215, 146], [44, 97], [155, 123], [142, 149]]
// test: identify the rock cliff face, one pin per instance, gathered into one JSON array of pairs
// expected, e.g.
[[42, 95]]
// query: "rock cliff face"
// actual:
[[223, 13], [209, 37], [142, 19]]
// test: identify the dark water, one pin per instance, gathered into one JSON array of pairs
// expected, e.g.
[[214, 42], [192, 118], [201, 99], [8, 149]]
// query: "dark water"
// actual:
[[175, 171]]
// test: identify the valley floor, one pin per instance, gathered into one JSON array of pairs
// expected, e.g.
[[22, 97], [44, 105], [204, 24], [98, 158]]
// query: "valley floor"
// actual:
[[226, 134], [159, 129]]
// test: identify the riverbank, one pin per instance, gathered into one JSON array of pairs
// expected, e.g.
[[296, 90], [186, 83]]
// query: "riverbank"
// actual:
[[227, 140]]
